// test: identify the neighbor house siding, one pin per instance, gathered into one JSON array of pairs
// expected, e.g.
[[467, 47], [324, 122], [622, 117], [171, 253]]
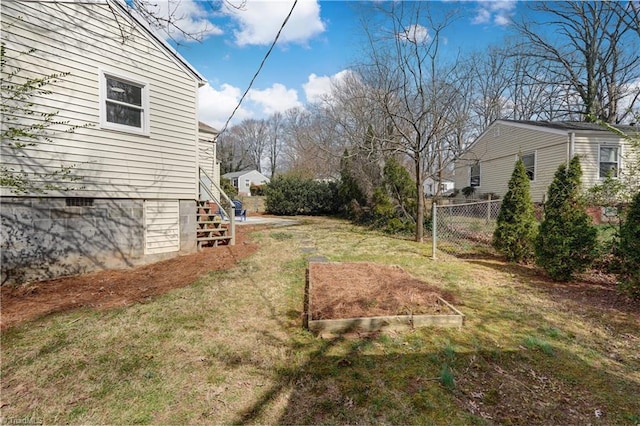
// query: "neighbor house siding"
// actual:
[[498, 147], [85, 39], [497, 150], [588, 147]]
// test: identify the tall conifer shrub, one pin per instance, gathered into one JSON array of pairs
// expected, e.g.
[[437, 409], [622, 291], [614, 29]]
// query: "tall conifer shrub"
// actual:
[[567, 241], [516, 227], [629, 251]]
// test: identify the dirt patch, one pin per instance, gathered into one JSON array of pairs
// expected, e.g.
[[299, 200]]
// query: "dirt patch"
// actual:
[[111, 288], [352, 290]]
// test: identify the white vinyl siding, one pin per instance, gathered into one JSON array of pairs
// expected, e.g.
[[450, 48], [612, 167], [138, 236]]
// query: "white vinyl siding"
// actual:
[[588, 148], [496, 150], [85, 39], [161, 226], [209, 164]]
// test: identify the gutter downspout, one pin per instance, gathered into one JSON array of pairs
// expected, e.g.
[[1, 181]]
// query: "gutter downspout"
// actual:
[[571, 148]]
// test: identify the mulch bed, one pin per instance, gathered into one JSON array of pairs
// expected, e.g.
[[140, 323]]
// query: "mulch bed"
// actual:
[[362, 289], [112, 288]]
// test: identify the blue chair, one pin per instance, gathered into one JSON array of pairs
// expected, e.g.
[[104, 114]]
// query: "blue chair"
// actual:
[[239, 211]]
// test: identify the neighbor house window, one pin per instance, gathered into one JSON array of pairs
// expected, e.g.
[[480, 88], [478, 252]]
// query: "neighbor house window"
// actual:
[[609, 161], [124, 104], [529, 161], [474, 175]]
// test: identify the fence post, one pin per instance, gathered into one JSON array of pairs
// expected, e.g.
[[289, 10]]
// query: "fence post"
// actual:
[[489, 209], [434, 227]]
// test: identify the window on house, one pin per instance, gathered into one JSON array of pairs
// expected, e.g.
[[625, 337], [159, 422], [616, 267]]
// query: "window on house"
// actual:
[[247, 183], [609, 161], [474, 175], [529, 161], [124, 104]]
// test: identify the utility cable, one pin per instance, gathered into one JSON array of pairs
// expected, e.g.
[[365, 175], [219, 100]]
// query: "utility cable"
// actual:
[[275, 40]]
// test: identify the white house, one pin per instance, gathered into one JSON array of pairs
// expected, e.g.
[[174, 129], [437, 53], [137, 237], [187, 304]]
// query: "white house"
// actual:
[[488, 163], [242, 181], [433, 187], [138, 153]]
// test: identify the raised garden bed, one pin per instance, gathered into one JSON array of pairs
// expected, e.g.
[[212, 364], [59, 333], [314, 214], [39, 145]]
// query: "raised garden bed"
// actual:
[[366, 297]]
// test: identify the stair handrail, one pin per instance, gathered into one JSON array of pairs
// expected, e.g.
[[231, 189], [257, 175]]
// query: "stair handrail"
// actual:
[[231, 208]]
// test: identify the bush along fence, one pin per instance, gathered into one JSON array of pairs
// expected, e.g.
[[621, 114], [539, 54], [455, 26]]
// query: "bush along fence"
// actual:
[[464, 226]]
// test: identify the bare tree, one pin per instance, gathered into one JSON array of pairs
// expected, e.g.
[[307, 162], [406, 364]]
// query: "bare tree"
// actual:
[[232, 153], [310, 139], [591, 47], [173, 19], [274, 140], [410, 86]]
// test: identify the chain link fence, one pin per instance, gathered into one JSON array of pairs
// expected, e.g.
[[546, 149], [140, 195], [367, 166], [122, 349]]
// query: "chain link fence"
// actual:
[[460, 228]]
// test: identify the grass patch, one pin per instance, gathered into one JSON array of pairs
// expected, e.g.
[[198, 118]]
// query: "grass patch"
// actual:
[[230, 349], [535, 343]]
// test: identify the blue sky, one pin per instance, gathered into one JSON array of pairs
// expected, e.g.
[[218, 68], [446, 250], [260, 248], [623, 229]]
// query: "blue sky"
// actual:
[[318, 44]]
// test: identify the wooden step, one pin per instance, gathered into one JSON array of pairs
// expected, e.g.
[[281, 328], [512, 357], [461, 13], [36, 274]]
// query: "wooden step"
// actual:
[[202, 241], [216, 238]]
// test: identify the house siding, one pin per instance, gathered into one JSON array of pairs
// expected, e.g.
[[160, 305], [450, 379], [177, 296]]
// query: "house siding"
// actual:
[[588, 149], [139, 189], [498, 148], [209, 163], [84, 39]]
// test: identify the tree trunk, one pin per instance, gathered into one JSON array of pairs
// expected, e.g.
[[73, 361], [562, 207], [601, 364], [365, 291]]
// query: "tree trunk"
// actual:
[[420, 202]]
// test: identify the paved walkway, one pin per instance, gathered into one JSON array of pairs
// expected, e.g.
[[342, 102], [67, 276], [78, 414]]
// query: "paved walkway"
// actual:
[[267, 220]]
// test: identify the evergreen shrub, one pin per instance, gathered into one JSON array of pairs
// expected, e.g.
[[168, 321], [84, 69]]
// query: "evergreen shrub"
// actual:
[[567, 241], [294, 195], [629, 250], [516, 226]]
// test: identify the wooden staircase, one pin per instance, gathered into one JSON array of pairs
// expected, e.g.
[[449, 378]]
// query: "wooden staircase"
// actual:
[[211, 229]]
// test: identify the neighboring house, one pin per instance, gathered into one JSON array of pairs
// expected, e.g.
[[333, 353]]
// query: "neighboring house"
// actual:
[[431, 187], [488, 163], [138, 155], [242, 181]]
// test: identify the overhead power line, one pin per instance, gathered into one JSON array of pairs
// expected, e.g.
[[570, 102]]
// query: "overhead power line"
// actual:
[[275, 40]]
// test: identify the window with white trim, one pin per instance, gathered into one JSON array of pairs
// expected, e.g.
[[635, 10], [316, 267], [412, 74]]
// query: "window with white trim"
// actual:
[[474, 175], [609, 161], [124, 104], [529, 161]]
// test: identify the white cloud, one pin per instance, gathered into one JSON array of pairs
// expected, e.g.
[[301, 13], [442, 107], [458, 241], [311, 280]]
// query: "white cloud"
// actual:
[[415, 34], [318, 87], [259, 22], [276, 98], [187, 16], [217, 105], [497, 11]]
